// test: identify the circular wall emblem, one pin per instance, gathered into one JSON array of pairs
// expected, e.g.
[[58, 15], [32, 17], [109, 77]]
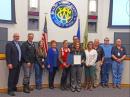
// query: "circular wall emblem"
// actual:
[[64, 14]]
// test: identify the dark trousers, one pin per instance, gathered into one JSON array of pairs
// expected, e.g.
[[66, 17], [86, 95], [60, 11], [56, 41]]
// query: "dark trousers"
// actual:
[[38, 74], [13, 78], [64, 77], [52, 76]]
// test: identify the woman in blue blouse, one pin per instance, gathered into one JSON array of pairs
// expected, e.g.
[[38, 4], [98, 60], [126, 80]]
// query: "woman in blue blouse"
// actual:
[[52, 59]]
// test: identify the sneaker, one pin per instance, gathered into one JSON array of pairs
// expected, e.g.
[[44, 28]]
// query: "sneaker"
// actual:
[[73, 89], [78, 89]]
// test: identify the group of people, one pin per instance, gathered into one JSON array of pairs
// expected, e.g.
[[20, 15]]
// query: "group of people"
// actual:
[[96, 60]]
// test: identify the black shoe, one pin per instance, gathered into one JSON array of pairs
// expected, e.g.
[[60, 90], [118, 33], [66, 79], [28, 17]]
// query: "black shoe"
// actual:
[[90, 89], [15, 89], [103, 85], [118, 86], [38, 87], [107, 85], [51, 87], [26, 89], [11, 93], [62, 88]]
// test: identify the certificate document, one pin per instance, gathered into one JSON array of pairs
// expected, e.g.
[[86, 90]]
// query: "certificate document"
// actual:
[[77, 59]]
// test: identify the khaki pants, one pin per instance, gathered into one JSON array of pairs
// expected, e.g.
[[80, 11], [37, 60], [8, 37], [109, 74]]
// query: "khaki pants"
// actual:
[[97, 73], [27, 73]]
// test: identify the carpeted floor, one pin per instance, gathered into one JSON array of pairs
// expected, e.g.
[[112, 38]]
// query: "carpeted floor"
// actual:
[[98, 92]]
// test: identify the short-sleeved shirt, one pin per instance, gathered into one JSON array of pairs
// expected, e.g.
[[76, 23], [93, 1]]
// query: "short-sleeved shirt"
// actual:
[[100, 53], [107, 50], [118, 52]]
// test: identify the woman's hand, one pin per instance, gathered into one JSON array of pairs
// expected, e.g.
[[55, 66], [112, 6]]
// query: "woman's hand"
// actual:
[[43, 66]]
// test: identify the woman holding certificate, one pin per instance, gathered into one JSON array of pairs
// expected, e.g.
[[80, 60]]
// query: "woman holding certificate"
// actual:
[[91, 56], [52, 59], [76, 68]]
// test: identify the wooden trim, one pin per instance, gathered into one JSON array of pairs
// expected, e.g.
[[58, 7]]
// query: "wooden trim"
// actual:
[[127, 58], [20, 88], [2, 57]]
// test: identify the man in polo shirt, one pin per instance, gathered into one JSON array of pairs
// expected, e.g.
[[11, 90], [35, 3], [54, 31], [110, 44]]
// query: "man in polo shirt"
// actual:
[[118, 55], [99, 62], [107, 63]]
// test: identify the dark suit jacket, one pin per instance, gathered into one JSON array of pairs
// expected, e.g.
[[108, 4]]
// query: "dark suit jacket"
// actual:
[[28, 52], [12, 55]]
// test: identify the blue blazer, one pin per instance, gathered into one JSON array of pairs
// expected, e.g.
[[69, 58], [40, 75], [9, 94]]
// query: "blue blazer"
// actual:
[[52, 58]]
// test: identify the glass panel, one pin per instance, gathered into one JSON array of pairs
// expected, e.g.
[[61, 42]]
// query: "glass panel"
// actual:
[[33, 4], [92, 27], [33, 24], [92, 6]]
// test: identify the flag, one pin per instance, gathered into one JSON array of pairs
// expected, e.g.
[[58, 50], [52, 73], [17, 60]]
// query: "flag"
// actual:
[[45, 36], [85, 39], [78, 31]]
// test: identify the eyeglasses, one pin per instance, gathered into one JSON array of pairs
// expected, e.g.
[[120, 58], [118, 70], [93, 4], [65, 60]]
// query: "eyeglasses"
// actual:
[[106, 40]]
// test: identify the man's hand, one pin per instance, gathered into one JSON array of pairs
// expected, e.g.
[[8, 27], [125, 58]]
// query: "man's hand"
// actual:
[[29, 64], [82, 61], [10, 66], [119, 60], [43, 66], [67, 66], [49, 66], [64, 64]]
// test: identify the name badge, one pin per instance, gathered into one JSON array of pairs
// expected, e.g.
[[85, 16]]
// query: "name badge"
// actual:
[[42, 60], [118, 54]]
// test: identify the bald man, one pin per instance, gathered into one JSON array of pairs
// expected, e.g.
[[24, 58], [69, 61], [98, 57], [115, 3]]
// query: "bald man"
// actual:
[[118, 55], [99, 62], [13, 59]]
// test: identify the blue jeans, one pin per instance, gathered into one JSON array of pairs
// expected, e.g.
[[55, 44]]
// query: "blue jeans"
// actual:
[[106, 67], [38, 74], [117, 69]]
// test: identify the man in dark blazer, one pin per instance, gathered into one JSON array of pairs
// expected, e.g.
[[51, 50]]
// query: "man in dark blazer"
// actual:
[[28, 60], [13, 59]]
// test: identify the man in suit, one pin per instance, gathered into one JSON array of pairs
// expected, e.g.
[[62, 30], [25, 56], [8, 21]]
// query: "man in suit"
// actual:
[[13, 59], [28, 60]]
